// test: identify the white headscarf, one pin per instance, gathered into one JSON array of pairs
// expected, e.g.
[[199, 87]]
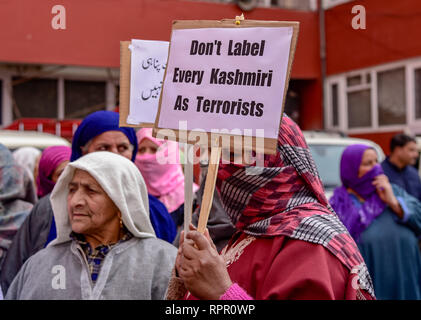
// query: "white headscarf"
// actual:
[[122, 182], [26, 157]]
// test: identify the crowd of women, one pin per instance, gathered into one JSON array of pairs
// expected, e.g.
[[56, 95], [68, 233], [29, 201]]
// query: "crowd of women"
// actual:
[[103, 220]]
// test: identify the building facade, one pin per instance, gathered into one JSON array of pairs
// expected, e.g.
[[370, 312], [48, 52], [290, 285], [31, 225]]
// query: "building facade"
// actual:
[[373, 83], [68, 73], [369, 85]]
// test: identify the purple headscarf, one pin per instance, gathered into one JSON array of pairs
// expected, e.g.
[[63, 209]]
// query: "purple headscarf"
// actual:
[[50, 159], [357, 218]]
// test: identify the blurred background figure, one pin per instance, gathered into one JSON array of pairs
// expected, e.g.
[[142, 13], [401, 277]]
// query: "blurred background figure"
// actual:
[[17, 197], [159, 162], [399, 165], [384, 220], [28, 157], [51, 164]]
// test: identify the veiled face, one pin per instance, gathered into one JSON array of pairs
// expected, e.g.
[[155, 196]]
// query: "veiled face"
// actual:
[[368, 161], [147, 146], [91, 212]]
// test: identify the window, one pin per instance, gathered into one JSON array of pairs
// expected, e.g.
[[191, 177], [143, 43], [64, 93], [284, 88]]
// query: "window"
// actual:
[[391, 97], [34, 97], [385, 97], [417, 76], [359, 109], [353, 81], [83, 97], [359, 100], [335, 104]]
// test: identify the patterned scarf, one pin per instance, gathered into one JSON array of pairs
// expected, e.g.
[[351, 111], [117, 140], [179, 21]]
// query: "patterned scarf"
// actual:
[[286, 197]]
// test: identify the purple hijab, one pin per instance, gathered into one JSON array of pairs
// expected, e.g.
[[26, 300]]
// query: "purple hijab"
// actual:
[[357, 218], [50, 159]]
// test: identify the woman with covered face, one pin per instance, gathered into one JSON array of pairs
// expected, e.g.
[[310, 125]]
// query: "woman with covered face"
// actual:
[[385, 222], [106, 247], [289, 244], [158, 161]]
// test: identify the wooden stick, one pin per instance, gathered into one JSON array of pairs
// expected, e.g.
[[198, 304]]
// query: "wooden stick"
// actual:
[[209, 187], [188, 186]]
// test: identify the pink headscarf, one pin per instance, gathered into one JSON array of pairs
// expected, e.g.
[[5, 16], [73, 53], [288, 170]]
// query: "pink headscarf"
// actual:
[[51, 158], [162, 171]]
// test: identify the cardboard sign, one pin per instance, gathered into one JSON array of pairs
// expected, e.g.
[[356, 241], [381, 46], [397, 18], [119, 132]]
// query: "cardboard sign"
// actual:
[[227, 79], [148, 63], [142, 68]]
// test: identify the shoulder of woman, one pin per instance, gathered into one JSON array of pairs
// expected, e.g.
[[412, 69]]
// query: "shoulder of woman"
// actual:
[[155, 245], [47, 256]]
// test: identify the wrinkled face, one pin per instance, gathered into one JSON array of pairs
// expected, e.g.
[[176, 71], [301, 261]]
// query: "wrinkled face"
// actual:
[[147, 146], [112, 141], [59, 170], [90, 209], [408, 153], [368, 161]]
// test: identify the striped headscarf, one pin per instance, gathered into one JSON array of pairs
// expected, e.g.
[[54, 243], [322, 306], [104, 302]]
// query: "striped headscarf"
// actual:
[[286, 197]]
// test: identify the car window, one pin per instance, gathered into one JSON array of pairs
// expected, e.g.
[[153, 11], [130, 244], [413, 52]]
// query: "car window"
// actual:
[[327, 158]]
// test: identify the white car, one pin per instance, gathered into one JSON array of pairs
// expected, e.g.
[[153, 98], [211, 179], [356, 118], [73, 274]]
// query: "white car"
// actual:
[[14, 139], [326, 149]]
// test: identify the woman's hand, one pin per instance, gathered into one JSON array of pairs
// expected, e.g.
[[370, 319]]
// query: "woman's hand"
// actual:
[[385, 192], [200, 266]]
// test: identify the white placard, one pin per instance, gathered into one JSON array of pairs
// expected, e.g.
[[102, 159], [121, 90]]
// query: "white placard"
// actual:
[[148, 63], [226, 78]]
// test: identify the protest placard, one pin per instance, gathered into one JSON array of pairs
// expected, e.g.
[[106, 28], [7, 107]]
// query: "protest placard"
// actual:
[[228, 80], [143, 64]]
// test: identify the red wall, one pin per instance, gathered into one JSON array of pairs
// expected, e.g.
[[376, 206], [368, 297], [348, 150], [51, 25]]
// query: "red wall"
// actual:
[[95, 28], [392, 33], [311, 110]]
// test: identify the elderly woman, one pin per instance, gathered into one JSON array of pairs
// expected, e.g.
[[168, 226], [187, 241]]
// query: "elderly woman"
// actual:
[[17, 197], [288, 244], [105, 247], [99, 131], [384, 220]]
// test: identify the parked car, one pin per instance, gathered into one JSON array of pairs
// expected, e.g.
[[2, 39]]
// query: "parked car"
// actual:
[[327, 149], [14, 139]]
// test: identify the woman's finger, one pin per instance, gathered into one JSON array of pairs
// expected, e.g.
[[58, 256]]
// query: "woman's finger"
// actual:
[[207, 235], [199, 239], [190, 252]]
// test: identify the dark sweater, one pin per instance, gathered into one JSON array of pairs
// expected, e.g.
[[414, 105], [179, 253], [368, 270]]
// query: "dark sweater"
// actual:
[[406, 178]]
